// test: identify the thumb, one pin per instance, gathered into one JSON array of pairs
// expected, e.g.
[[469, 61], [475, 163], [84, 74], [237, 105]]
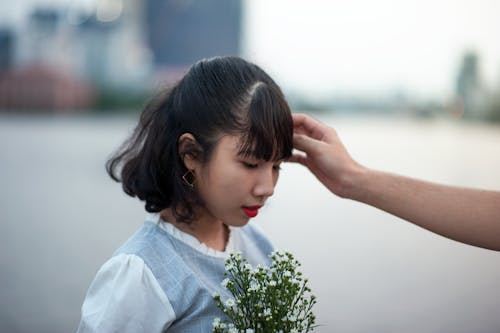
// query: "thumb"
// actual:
[[305, 143]]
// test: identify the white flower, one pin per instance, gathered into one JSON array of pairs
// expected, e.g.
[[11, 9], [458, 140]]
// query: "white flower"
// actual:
[[254, 286], [224, 283], [261, 283]]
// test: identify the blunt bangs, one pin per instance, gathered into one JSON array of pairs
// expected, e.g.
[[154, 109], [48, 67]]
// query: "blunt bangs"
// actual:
[[268, 130]]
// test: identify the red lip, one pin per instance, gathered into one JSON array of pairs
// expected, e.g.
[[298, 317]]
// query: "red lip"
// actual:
[[251, 211]]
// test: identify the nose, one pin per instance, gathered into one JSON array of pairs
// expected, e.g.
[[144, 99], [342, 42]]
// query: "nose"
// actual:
[[265, 183]]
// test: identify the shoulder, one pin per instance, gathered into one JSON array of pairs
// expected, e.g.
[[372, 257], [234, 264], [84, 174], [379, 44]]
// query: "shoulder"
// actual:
[[125, 297], [152, 244], [147, 237], [161, 254]]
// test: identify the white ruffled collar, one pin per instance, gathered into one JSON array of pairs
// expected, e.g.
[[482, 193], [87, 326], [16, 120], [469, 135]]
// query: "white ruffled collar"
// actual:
[[191, 240]]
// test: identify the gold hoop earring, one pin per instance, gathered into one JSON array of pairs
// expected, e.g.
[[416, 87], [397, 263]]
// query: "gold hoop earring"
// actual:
[[188, 178]]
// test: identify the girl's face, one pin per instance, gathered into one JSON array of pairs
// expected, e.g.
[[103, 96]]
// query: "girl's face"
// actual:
[[232, 186]]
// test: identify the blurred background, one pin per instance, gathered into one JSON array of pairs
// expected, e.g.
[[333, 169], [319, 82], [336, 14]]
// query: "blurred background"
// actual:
[[412, 87]]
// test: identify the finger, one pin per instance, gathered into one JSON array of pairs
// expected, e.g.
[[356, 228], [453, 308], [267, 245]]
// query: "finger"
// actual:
[[305, 143], [298, 158], [300, 130], [304, 124]]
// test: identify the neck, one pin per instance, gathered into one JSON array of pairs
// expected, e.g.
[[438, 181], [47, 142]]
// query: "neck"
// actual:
[[213, 233]]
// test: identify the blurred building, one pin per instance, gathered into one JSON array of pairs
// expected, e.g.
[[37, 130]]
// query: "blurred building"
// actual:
[[43, 88], [42, 74], [61, 56], [96, 49], [44, 40], [113, 45], [471, 96], [106, 46], [180, 32], [7, 40], [62, 59]]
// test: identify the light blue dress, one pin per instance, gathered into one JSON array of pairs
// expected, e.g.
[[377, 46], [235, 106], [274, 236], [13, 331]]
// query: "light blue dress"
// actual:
[[162, 280]]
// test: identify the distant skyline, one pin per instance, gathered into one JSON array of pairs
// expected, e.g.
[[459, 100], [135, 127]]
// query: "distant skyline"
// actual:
[[374, 46], [359, 46]]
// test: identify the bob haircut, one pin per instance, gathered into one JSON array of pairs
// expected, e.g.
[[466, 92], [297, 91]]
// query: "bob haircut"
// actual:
[[217, 96]]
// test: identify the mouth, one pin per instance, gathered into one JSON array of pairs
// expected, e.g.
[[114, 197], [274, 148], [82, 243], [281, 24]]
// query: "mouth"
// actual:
[[251, 211]]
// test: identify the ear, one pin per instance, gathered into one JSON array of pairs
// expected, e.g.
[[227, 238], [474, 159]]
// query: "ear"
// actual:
[[189, 151]]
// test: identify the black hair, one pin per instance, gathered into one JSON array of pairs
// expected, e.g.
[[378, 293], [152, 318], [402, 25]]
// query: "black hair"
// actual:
[[217, 96]]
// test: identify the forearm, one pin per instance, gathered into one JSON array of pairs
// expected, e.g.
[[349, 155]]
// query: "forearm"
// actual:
[[467, 215]]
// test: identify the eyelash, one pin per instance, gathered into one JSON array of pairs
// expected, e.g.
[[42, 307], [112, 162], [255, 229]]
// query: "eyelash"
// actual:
[[250, 165], [253, 166]]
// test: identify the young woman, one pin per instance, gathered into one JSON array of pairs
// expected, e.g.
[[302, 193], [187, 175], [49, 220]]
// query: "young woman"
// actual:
[[204, 158]]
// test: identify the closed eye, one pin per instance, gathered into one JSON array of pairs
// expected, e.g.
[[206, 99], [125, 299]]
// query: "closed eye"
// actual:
[[250, 165]]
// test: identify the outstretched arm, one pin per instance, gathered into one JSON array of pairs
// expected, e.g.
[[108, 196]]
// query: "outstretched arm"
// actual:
[[471, 216]]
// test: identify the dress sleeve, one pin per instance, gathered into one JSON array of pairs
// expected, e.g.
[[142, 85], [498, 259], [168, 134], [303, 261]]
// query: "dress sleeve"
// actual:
[[125, 297]]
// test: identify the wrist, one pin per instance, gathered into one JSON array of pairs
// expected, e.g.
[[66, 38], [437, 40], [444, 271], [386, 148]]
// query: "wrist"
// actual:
[[353, 182]]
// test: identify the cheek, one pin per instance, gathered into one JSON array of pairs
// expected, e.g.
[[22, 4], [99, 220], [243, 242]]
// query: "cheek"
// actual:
[[228, 182], [230, 179]]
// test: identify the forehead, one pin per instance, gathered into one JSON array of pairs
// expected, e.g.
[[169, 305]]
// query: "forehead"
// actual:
[[232, 144], [229, 144]]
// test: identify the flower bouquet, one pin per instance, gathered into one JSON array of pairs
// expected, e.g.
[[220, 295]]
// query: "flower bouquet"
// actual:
[[265, 299]]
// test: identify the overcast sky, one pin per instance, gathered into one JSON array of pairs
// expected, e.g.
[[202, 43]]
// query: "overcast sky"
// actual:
[[360, 45]]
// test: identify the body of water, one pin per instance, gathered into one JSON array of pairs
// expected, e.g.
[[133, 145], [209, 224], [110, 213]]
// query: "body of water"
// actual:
[[61, 217]]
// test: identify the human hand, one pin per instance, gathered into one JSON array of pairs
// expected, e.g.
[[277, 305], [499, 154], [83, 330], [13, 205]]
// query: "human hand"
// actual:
[[325, 155]]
